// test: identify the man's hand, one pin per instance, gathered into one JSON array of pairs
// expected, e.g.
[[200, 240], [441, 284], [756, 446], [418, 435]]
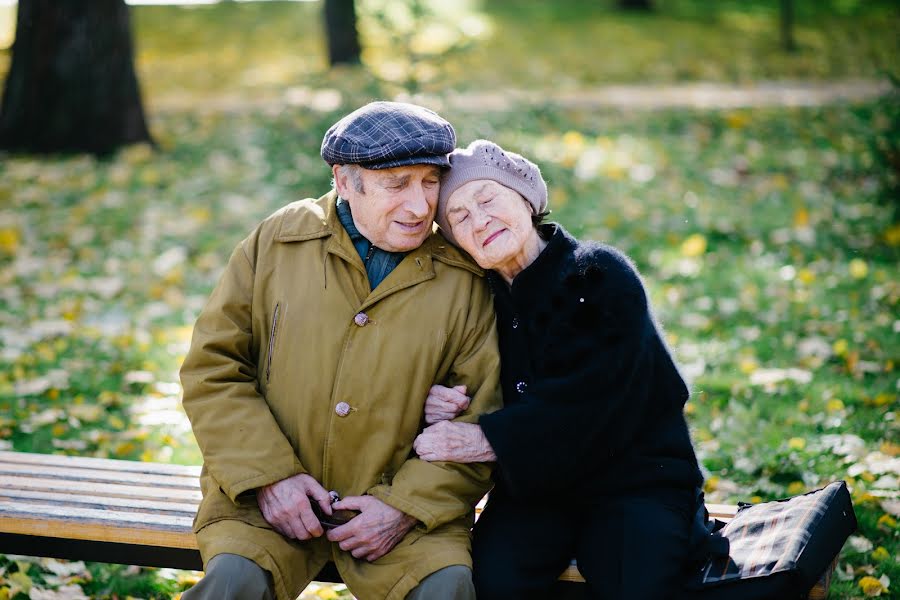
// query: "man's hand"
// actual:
[[285, 505], [374, 531], [445, 403], [454, 442]]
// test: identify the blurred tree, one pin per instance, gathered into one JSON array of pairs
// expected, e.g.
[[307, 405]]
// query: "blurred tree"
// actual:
[[636, 4], [787, 25], [340, 26], [71, 86]]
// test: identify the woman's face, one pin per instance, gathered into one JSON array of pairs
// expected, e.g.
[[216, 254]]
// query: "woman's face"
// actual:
[[491, 222]]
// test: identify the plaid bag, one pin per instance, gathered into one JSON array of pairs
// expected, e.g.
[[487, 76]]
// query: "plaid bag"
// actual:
[[778, 549]]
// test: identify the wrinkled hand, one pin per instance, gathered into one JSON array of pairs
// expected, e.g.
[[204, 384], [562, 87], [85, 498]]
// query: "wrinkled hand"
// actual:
[[285, 506], [445, 403], [374, 531], [454, 442]]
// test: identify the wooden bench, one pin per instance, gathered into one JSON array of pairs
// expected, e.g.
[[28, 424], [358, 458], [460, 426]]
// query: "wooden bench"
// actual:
[[128, 512]]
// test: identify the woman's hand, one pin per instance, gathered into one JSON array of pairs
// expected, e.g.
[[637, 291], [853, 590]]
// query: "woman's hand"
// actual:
[[444, 404], [454, 442]]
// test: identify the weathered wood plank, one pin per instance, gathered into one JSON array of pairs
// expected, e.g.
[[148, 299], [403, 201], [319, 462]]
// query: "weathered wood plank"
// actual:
[[101, 489], [187, 509], [109, 464], [63, 473], [93, 517]]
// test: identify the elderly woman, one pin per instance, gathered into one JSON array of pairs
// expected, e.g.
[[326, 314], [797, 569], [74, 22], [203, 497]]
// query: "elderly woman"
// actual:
[[593, 453]]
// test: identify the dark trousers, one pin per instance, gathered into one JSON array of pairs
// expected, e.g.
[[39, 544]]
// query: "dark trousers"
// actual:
[[630, 546]]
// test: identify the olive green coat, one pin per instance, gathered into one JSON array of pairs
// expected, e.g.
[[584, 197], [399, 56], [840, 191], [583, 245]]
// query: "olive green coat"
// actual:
[[277, 348]]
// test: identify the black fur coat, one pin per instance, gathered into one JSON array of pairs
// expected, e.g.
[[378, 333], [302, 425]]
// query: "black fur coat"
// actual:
[[593, 400]]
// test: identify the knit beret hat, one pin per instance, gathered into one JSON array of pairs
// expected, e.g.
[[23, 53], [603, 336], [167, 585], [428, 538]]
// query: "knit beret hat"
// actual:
[[381, 135], [486, 160]]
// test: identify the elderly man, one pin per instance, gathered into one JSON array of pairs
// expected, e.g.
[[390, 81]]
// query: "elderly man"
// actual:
[[308, 372]]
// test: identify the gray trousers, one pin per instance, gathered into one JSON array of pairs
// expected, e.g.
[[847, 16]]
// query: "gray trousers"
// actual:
[[233, 577]]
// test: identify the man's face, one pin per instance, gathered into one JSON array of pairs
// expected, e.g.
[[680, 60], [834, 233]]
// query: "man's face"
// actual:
[[395, 208]]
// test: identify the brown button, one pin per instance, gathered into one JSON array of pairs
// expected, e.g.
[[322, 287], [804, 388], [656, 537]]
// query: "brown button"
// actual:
[[342, 409], [361, 319]]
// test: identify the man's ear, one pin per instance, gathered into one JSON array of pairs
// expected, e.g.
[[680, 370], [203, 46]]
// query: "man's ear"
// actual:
[[340, 180]]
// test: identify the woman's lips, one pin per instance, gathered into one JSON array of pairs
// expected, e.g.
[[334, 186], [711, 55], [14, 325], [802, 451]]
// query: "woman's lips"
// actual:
[[492, 237]]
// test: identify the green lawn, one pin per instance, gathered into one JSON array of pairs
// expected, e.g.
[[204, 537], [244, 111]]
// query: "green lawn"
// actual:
[[764, 236]]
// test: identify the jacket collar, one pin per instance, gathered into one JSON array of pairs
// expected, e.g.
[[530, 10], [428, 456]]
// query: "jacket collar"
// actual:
[[311, 219]]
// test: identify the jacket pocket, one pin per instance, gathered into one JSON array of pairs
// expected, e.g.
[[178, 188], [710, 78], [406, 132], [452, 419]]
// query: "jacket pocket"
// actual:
[[272, 333]]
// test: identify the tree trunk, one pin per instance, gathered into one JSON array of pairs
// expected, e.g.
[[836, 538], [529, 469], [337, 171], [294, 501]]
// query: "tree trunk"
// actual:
[[636, 4], [71, 86], [340, 27], [787, 25]]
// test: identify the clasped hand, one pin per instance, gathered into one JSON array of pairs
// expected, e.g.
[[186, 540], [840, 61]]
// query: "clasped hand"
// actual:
[[447, 440], [370, 535]]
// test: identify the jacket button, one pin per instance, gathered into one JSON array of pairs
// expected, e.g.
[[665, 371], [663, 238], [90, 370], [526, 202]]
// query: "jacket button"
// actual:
[[521, 387], [342, 409], [361, 319]]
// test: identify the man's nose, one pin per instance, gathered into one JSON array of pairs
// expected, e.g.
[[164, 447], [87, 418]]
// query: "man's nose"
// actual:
[[417, 201]]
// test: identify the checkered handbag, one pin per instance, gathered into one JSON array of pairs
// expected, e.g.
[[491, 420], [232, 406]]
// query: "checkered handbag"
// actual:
[[778, 549]]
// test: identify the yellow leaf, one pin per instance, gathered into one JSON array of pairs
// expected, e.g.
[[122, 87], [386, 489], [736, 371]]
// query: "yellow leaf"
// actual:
[[887, 522], [834, 405], [711, 484], [755, 499], [59, 429], [840, 347], [880, 553], [871, 586], [327, 593], [806, 275], [21, 581], [795, 488], [124, 449], [748, 365], [890, 448], [892, 235], [801, 218], [858, 268], [9, 240], [737, 120], [797, 443], [573, 138], [694, 245]]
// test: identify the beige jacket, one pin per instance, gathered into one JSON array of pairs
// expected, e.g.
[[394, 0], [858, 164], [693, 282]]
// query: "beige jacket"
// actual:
[[277, 348]]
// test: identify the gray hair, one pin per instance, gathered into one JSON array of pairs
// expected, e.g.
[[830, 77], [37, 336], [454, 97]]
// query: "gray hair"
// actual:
[[354, 173]]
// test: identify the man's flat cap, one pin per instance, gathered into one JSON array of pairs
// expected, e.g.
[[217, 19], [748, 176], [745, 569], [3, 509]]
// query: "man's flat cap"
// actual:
[[381, 135]]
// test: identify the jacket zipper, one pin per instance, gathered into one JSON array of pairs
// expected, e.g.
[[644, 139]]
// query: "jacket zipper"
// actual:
[[272, 342]]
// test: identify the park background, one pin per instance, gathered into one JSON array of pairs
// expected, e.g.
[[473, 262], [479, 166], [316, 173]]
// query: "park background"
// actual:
[[755, 186]]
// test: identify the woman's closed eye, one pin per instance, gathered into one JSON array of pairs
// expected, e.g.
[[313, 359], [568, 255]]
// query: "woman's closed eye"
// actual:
[[460, 217]]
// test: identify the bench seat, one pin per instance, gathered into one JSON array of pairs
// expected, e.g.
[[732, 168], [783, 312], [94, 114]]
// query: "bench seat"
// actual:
[[127, 512]]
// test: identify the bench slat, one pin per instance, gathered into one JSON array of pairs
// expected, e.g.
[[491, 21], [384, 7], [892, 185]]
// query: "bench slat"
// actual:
[[188, 509], [99, 507], [94, 475], [148, 529], [108, 464], [99, 489]]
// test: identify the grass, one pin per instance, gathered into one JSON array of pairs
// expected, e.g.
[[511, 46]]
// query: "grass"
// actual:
[[766, 238]]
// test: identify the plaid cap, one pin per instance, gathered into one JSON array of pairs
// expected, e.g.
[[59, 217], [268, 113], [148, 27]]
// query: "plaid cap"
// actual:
[[381, 135]]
